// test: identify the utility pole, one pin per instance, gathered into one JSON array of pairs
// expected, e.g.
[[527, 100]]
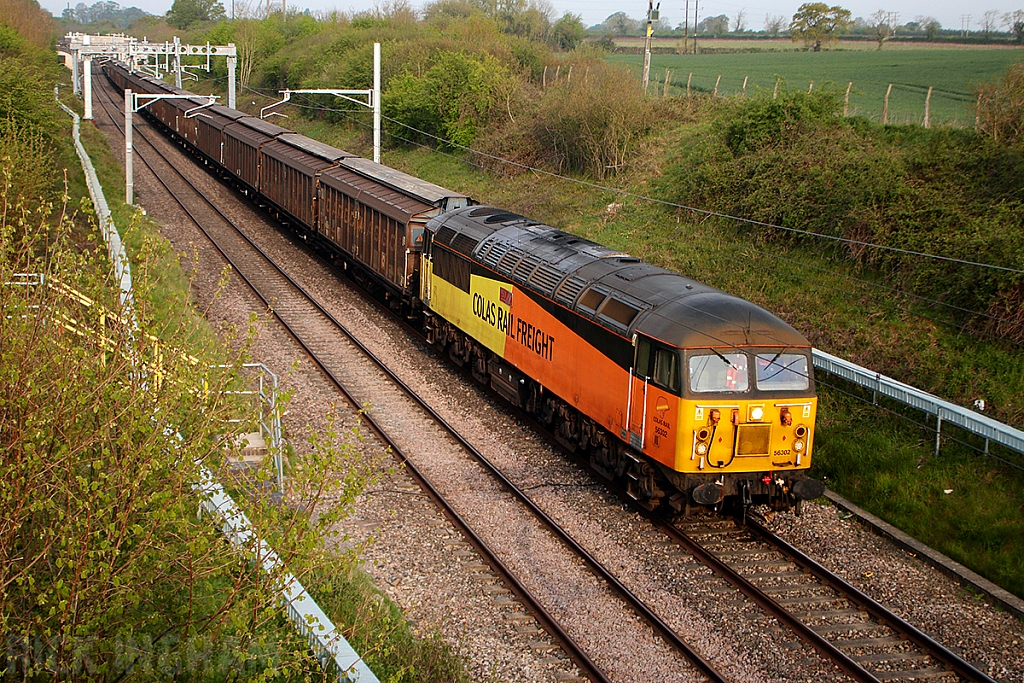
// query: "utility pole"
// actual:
[[686, 28], [695, 5], [653, 15]]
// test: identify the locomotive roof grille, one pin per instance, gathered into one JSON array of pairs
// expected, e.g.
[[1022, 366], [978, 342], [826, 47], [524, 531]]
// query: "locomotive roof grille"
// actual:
[[493, 252], [445, 235], [545, 279], [464, 243], [525, 268], [569, 290]]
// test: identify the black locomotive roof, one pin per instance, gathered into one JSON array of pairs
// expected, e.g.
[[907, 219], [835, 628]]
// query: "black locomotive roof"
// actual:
[[614, 289]]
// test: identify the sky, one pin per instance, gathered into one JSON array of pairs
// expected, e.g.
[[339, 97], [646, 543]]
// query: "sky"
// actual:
[[950, 14]]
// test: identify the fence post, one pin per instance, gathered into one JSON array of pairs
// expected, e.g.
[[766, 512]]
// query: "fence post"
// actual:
[[977, 114], [717, 81], [810, 88], [568, 78], [846, 102], [544, 81], [927, 108], [745, 85], [688, 84], [776, 93], [668, 78], [885, 108]]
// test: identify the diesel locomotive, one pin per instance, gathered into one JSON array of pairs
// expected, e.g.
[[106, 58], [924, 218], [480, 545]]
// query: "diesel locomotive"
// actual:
[[691, 395]]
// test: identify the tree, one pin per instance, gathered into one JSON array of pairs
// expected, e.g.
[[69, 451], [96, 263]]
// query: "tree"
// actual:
[[717, 26], [567, 32], [620, 24], [773, 24], [1014, 23], [989, 20], [881, 26], [184, 13], [930, 26], [740, 25], [816, 23]]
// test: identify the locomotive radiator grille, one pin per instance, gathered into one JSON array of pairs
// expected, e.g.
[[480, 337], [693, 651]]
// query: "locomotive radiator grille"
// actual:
[[753, 439]]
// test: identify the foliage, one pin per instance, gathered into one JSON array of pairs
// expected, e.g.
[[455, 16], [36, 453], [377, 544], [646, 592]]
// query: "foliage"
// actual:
[[794, 162], [185, 13], [1001, 109], [29, 22], [716, 26], [567, 32], [106, 11], [816, 23], [106, 569], [30, 130], [591, 121], [452, 100]]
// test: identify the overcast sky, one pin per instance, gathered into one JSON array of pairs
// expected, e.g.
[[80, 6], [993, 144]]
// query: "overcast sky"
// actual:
[[950, 14]]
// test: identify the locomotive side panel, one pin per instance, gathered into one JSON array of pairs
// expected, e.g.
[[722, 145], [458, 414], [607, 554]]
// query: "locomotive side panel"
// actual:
[[512, 323]]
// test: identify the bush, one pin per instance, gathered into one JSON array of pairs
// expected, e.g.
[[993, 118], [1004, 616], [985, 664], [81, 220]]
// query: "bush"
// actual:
[[453, 100], [591, 120], [794, 162], [1001, 109]]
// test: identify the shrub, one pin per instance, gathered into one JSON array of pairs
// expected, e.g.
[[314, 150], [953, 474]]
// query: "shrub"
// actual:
[[1001, 109], [591, 120], [456, 97]]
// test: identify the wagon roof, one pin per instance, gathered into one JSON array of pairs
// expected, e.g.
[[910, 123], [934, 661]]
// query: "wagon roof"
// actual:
[[294, 158], [314, 147], [403, 182], [376, 195], [265, 127]]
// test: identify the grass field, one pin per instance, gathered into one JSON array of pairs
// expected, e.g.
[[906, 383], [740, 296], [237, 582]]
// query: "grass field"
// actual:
[[952, 72]]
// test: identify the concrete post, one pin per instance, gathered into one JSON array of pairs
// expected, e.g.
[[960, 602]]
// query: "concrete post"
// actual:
[[232, 61], [76, 84], [376, 103], [177, 62], [129, 175], [87, 77]]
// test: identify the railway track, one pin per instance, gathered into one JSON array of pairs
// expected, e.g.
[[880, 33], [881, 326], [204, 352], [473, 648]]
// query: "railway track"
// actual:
[[878, 648], [867, 641], [386, 400]]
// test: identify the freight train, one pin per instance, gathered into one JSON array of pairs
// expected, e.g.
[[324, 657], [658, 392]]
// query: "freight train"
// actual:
[[692, 396]]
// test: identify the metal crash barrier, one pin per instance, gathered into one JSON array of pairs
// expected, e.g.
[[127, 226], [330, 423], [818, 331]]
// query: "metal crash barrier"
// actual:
[[943, 411], [331, 648]]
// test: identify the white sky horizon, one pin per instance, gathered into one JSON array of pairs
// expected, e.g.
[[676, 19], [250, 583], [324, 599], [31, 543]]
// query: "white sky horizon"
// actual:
[[950, 15]]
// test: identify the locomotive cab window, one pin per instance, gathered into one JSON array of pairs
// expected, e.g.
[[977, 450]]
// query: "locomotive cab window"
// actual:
[[658, 364], [719, 373], [782, 372]]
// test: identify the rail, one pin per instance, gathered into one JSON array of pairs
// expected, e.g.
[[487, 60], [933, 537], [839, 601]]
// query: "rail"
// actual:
[[943, 411], [329, 645]]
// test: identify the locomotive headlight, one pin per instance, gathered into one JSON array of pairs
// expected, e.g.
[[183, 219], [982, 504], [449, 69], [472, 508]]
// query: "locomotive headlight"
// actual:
[[798, 446], [756, 413], [702, 448]]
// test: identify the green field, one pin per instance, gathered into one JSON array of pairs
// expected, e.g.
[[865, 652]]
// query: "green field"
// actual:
[[951, 72]]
